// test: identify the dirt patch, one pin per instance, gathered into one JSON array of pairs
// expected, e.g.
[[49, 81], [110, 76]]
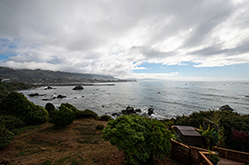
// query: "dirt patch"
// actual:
[[78, 143]]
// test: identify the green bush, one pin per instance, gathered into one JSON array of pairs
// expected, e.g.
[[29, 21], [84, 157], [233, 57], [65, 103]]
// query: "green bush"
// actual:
[[159, 139], [69, 106], [49, 107], [63, 117], [100, 127], [5, 88], [5, 136], [3, 92], [228, 121], [105, 118], [86, 114], [11, 122], [139, 138], [16, 104]]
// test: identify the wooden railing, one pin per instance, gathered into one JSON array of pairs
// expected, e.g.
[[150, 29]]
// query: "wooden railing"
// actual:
[[203, 159], [198, 155], [180, 152], [189, 154], [233, 155]]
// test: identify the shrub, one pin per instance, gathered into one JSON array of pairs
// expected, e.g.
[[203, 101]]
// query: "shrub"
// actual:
[[69, 106], [11, 122], [86, 114], [100, 127], [105, 118], [37, 115], [5, 136], [49, 107], [210, 136], [63, 117], [241, 138], [139, 138], [159, 139], [16, 104], [228, 121], [3, 92]]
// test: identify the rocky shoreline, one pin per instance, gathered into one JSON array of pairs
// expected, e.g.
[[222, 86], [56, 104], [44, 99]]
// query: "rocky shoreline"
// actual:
[[130, 110]]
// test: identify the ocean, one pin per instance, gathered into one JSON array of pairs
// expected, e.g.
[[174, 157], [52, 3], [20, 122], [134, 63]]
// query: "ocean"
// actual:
[[168, 98]]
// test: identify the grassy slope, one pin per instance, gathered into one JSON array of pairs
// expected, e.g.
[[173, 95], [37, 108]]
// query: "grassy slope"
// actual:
[[78, 143]]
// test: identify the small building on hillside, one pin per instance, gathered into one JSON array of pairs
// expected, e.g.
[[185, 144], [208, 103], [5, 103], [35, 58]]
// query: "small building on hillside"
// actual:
[[187, 135], [6, 80]]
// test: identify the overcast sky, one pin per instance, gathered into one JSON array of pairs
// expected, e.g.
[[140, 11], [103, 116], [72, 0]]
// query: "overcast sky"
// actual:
[[169, 39]]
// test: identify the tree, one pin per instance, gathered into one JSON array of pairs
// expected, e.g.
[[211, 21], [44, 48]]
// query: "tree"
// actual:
[[140, 138], [62, 117], [16, 104], [49, 107]]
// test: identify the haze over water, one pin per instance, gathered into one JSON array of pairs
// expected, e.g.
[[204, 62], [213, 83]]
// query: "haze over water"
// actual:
[[168, 98]]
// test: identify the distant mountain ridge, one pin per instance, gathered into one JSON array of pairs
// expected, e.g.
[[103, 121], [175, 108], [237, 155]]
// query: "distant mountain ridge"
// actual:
[[52, 77]]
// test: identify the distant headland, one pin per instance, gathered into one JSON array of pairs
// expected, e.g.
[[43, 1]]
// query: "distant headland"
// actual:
[[47, 77]]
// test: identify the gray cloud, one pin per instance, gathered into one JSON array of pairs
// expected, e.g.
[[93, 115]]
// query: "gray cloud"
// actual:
[[217, 49], [107, 37]]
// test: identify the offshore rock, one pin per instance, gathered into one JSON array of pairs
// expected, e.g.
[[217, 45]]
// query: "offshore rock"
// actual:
[[115, 114], [49, 87], [34, 94], [226, 108], [129, 110], [78, 87], [138, 110], [150, 111], [49, 99], [61, 97]]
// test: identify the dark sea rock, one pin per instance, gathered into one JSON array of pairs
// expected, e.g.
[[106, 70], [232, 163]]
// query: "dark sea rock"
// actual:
[[61, 97], [34, 94], [150, 111], [138, 110], [226, 108], [50, 99], [128, 111], [48, 87], [116, 114], [78, 87]]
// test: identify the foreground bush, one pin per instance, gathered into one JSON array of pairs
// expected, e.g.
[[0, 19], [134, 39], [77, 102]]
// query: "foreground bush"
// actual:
[[100, 127], [69, 106], [227, 122], [105, 118], [86, 114], [49, 107], [241, 138], [5, 136], [139, 138], [11, 122], [16, 104], [62, 117]]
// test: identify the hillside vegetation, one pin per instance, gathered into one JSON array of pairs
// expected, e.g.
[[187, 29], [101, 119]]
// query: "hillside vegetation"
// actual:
[[47, 76], [223, 127], [6, 88], [30, 134]]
